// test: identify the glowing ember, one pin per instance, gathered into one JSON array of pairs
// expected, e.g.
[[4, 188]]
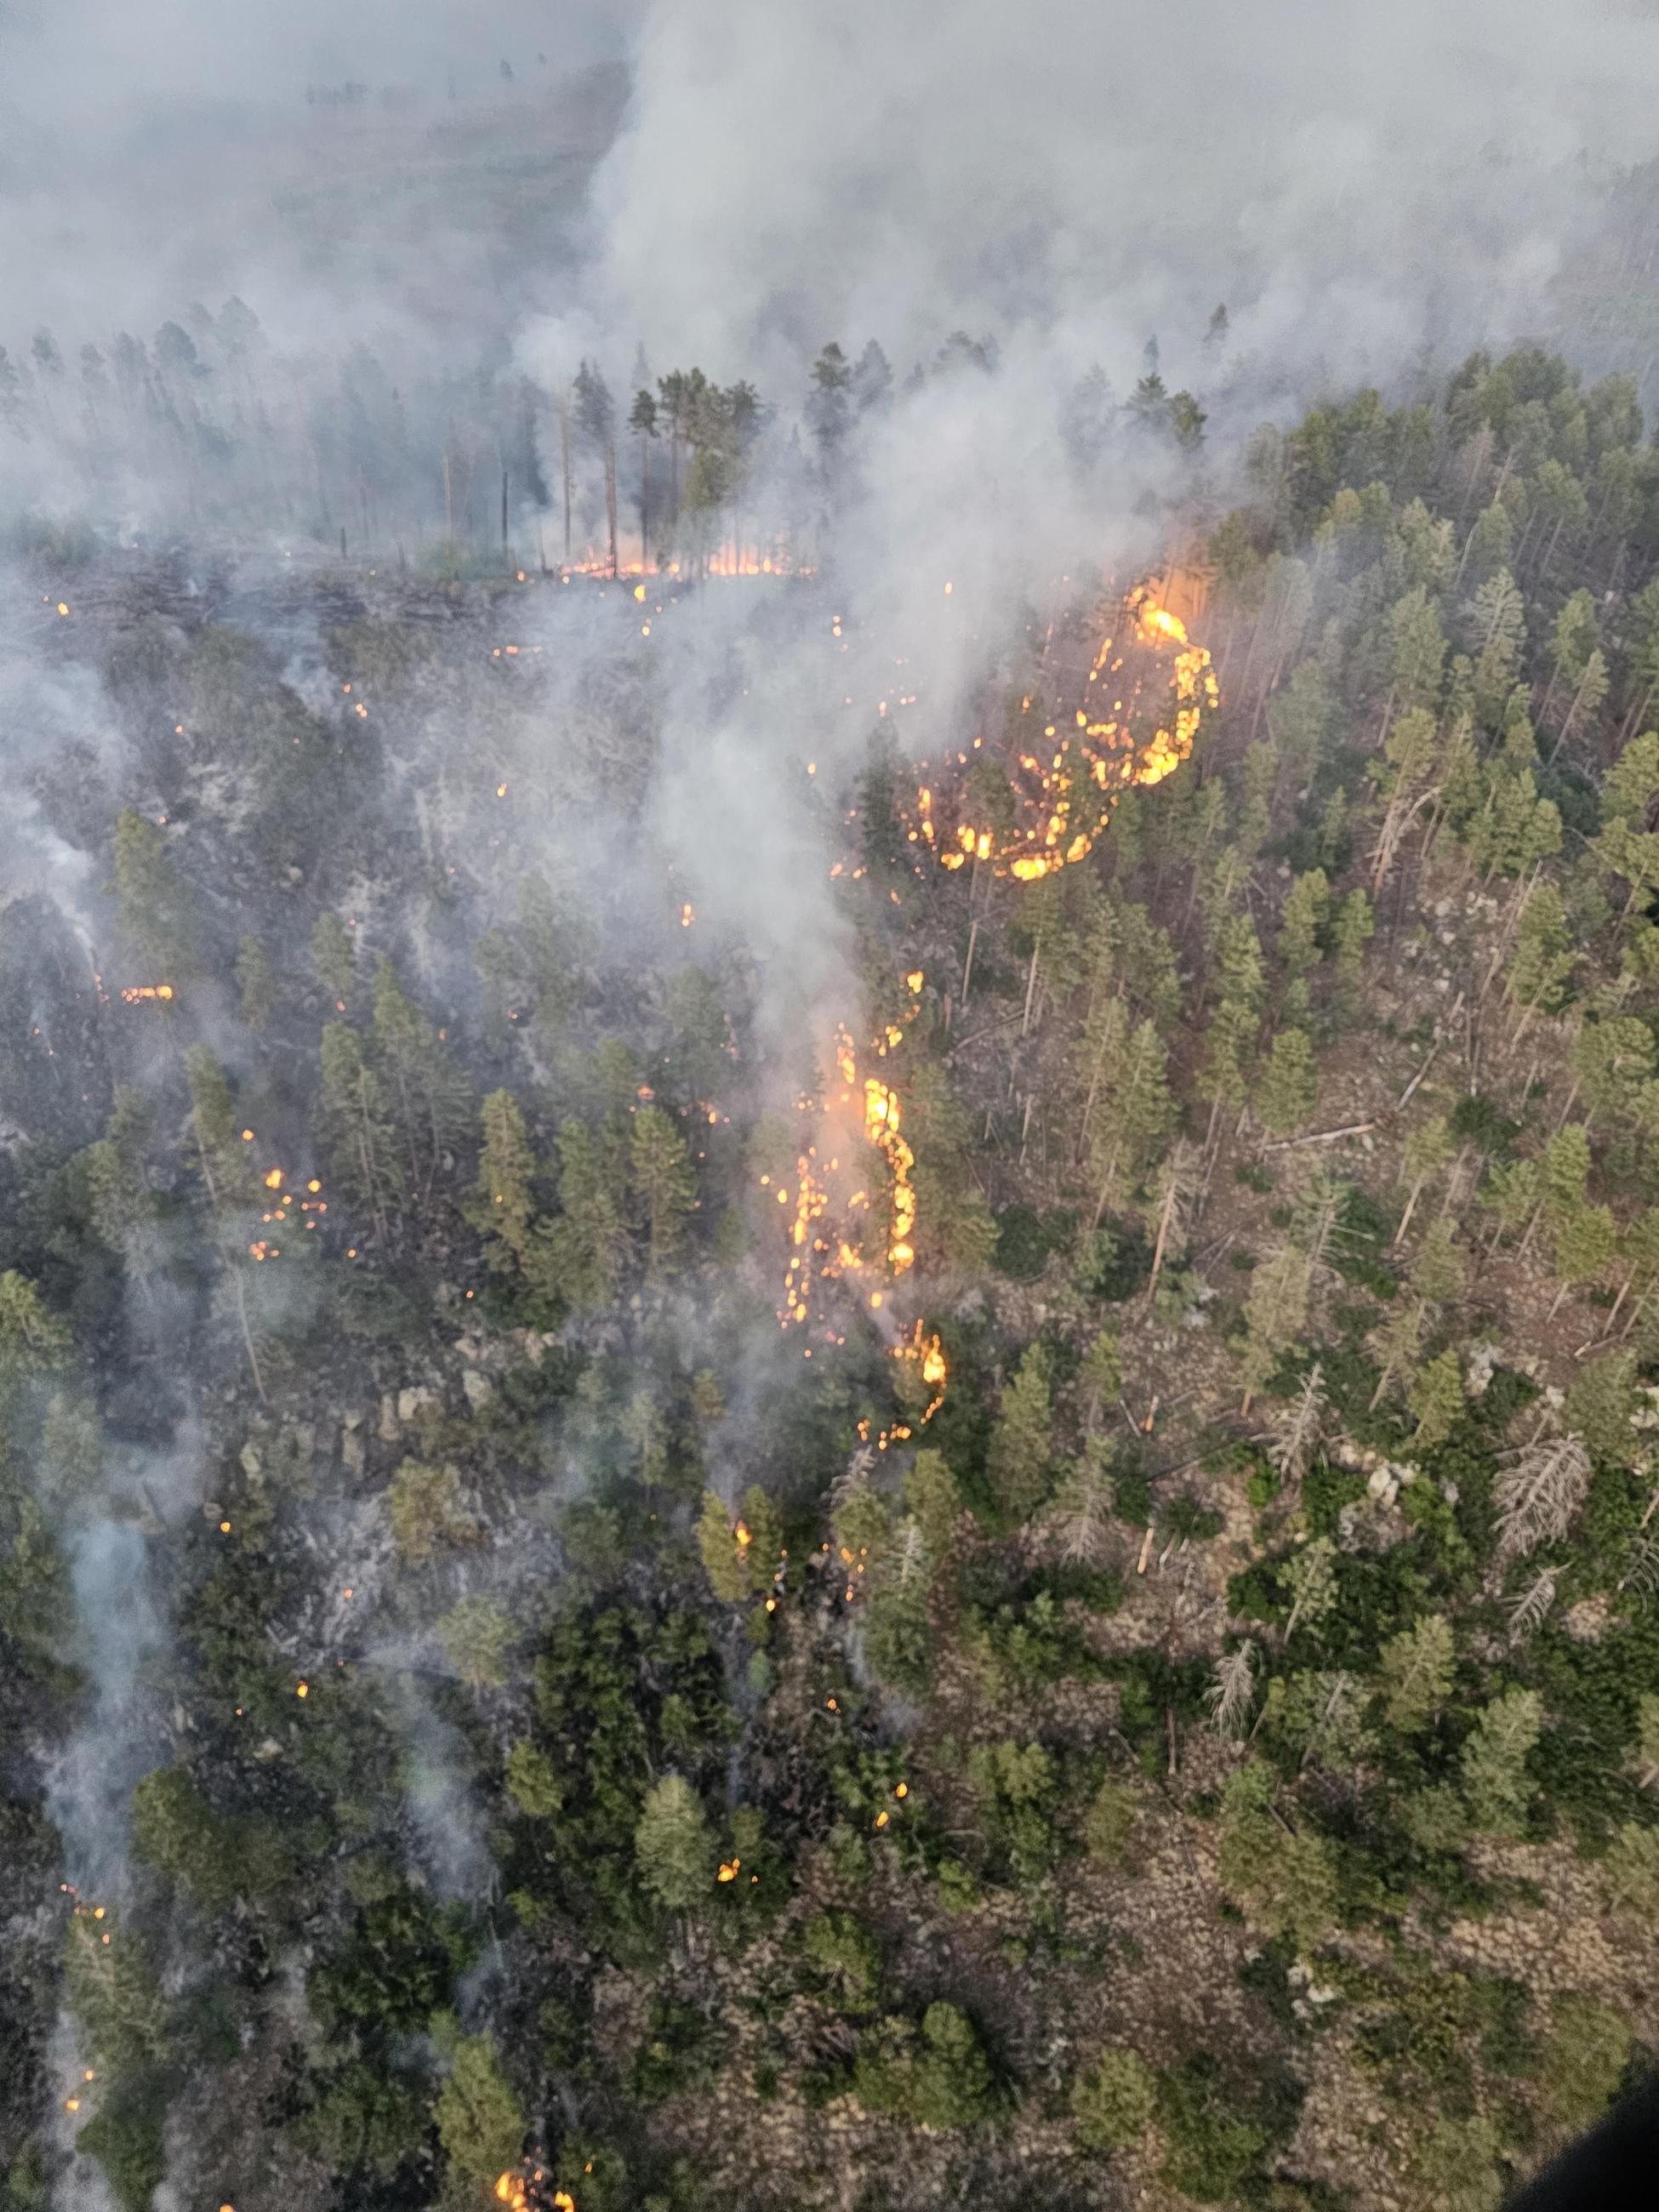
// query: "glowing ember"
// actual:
[[926, 1354], [523, 2190], [136, 994], [1064, 792]]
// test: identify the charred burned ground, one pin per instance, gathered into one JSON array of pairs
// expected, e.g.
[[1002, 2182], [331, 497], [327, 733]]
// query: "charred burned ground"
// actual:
[[697, 1511]]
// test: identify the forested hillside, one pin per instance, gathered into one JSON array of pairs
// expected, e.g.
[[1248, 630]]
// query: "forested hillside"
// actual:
[[1050, 1600]]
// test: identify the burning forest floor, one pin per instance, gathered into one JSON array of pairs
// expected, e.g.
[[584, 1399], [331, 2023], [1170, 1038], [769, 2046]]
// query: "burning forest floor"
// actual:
[[1020, 1565]]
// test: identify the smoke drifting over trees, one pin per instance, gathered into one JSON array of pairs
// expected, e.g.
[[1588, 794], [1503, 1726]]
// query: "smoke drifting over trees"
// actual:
[[829, 1076]]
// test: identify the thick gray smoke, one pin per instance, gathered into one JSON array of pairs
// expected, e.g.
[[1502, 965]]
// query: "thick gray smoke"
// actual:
[[1350, 180], [328, 162]]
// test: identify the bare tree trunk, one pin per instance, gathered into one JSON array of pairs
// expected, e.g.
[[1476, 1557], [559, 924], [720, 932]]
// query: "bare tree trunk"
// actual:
[[561, 401], [1166, 1215], [610, 499], [1030, 988], [1105, 1193], [247, 1333], [1405, 1218]]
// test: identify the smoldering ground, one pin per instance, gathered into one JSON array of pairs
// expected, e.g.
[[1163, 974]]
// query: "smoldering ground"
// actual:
[[1061, 185]]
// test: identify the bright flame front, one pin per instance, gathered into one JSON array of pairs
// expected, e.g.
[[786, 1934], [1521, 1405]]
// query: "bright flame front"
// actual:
[[1064, 788]]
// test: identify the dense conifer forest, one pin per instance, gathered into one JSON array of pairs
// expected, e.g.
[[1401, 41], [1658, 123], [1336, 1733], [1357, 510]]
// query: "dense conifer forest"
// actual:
[[1028, 1574]]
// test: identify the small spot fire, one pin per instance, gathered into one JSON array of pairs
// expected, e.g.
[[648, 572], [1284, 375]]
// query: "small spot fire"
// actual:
[[533, 2189]]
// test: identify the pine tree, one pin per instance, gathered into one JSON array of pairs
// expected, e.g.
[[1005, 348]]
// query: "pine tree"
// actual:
[[589, 1236], [1275, 1315], [1613, 1060], [154, 900], [1410, 751], [1236, 1022], [118, 2000], [1300, 717], [1417, 646], [1311, 1577], [1096, 1056], [674, 1845], [665, 1187], [1306, 914], [1424, 1155], [1112, 2103], [1494, 1761], [1170, 1208], [1543, 959], [1287, 1087], [1351, 932], [477, 1635], [722, 1555], [642, 421], [1512, 1194], [1497, 625], [256, 979], [1018, 1464], [480, 2121], [1085, 1503], [1132, 1134], [1286, 1875], [1602, 1401], [334, 957], [433, 1097], [33, 1339], [1438, 1271], [1416, 1673], [1588, 697], [1436, 1397], [226, 1169], [357, 1125], [1487, 549], [828, 408], [503, 1206], [1585, 1239]]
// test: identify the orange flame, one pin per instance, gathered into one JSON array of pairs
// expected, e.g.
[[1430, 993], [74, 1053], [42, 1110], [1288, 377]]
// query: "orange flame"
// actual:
[[1064, 799]]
